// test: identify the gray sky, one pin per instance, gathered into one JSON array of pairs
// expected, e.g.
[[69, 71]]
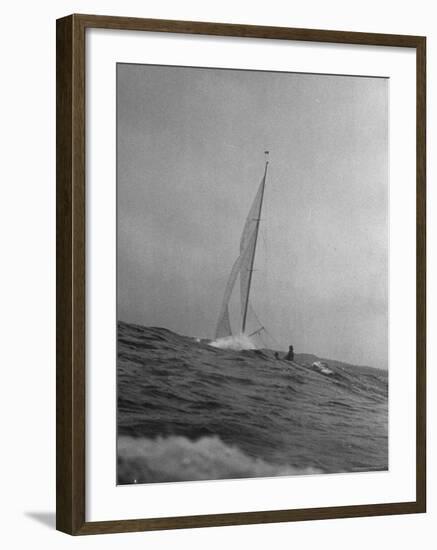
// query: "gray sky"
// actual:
[[190, 159]]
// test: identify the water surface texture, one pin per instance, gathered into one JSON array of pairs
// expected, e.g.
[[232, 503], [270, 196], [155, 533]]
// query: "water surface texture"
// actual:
[[190, 411]]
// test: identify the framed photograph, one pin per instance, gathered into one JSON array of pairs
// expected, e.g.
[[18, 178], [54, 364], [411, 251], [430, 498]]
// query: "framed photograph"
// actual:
[[240, 274]]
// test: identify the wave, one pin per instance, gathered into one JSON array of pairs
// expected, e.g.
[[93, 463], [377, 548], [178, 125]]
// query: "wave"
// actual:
[[237, 343], [235, 404], [177, 458]]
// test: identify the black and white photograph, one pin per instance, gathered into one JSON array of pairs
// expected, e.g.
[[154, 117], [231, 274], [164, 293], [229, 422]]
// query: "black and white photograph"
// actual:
[[217, 265], [252, 274]]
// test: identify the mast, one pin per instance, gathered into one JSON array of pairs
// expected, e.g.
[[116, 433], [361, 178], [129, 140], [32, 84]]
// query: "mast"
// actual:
[[258, 219]]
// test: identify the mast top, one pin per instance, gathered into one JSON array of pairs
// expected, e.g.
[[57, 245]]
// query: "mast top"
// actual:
[[266, 156]]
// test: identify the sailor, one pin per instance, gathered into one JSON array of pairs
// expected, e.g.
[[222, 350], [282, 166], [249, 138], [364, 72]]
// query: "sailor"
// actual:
[[276, 355], [290, 354]]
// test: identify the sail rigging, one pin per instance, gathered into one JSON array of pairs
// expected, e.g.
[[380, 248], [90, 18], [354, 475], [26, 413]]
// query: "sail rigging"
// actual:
[[243, 265]]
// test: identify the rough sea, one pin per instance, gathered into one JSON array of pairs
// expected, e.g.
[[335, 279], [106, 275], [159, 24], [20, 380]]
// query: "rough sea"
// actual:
[[190, 411]]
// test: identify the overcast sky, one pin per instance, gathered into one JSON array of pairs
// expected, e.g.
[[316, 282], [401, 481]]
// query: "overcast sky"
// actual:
[[190, 159]]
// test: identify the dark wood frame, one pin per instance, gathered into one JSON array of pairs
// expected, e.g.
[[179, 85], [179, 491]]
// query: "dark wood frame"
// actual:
[[70, 274]]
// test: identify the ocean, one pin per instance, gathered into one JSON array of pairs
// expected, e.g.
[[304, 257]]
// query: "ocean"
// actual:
[[187, 410]]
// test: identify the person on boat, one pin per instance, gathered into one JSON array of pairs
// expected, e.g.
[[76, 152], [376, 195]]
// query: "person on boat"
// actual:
[[290, 354], [276, 355]]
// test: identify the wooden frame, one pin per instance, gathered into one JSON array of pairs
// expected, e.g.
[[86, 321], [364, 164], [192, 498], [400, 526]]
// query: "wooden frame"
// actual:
[[70, 206]]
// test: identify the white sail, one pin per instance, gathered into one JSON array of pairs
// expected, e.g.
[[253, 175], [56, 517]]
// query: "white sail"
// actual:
[[248, 249], [243, 265], [224, 323]]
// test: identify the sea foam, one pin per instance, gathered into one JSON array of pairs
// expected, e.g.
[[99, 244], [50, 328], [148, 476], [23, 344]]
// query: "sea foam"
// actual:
[[237, 343], [177, 458]]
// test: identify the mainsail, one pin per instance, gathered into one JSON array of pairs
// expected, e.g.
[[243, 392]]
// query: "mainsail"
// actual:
[[243, 265]]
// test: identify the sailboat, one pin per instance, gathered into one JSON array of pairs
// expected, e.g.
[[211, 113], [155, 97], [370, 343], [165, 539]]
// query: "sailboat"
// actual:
[[243, 265]]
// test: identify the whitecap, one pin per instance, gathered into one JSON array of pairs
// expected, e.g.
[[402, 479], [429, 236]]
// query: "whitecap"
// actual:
[[177, 458], [238, 342]]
